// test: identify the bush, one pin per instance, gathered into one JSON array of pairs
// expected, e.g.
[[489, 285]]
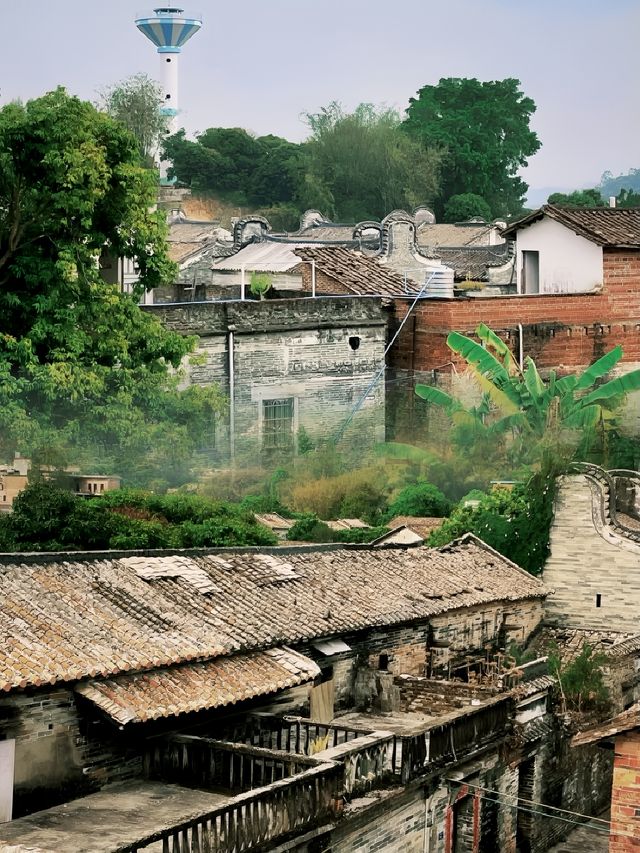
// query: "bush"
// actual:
[[581, 680], [309, 528], [423, 499], [48, 518], [354, 494], [466, 206], [515, 522]]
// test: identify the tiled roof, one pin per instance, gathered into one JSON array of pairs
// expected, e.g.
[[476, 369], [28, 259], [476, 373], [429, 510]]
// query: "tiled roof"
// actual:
[[274, 521], [424, 525], [473, 262], [571, 641], [187, 238], [190, 687], [606, 226], [432, 235], [327, 232], [347, 524], [624, 722], [70, 617], [358, 273]]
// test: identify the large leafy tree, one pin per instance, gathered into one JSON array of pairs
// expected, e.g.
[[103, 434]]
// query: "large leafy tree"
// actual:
[[81, 366], [366, 164], [136, 102], [578, 198], [484, 129], [541, 417]]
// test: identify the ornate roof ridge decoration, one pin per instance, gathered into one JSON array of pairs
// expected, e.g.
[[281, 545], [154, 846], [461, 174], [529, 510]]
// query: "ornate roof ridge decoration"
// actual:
[[241, 225]]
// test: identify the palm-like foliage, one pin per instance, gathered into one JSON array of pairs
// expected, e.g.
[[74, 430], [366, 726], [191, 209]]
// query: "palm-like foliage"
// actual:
[[518, 401]]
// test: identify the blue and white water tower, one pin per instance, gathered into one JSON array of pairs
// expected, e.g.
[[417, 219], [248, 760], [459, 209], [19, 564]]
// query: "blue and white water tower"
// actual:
[[169, 29]]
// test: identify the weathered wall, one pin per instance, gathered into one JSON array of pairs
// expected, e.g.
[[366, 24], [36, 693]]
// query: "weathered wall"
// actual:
[[561, 331], [395, 826], [60, 752], [568, 263], [594, 573], [320, 353], [625, 794]]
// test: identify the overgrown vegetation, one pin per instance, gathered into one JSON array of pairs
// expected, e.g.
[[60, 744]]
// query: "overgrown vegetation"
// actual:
[[582, 686], [47, 517]]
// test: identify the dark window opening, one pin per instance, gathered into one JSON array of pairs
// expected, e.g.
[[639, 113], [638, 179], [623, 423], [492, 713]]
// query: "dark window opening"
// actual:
[[277, 424], [167, 97], [598, 600], [354, 342], [383, 662], [168, 60]]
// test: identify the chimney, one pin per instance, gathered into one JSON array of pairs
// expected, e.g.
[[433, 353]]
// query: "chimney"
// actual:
[[612, 201]]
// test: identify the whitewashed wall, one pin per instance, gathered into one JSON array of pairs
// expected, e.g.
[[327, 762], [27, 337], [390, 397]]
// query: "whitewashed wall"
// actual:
[[568, 263]]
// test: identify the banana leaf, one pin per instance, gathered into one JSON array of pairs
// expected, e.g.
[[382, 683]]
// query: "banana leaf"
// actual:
[[479, 358], [566, 384], [438, 398], [498, 397], [599, 368], [532, 380], [498, 345], [620, 386]]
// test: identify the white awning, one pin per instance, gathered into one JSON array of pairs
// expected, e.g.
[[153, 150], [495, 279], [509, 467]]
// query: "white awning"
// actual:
[[331, 647]]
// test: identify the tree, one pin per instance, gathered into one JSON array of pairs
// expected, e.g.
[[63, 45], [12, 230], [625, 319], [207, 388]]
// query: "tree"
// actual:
[[484, 129], [541, 417], [136, 102], [578, 198], [628, 198], [366, 165], [80, 364], [421, 499], [611, 185], [46, 517], [461, 208]]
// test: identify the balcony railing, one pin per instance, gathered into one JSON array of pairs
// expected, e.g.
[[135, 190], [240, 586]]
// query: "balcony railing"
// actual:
[[367, 761]]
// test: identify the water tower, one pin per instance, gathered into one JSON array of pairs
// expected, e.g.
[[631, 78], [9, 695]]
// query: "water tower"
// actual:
[[169, 29]]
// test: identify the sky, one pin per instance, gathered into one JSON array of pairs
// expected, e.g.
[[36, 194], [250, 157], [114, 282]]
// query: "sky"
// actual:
[[262, 65]]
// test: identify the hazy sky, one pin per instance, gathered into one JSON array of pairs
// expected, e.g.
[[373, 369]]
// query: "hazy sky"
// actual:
[[260, 65]]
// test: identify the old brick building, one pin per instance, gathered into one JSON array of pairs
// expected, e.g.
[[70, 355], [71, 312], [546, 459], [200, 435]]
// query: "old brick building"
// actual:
[[285, 365], [176, 676]]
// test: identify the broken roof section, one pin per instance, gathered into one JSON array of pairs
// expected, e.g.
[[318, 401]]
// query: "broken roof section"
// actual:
[[624, 722], [613, 227], [70, 617]]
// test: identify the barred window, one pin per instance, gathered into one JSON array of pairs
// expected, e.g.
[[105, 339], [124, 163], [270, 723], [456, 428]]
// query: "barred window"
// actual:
[[277, 424]]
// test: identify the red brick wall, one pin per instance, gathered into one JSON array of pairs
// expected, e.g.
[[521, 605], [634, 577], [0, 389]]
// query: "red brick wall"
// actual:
[[625, 795], [325, 284], [559, 330]]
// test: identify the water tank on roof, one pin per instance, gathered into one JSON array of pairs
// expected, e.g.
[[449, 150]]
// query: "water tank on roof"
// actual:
[[440, 282]]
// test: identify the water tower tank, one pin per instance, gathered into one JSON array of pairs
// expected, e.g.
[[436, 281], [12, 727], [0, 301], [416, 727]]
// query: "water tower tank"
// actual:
[[169, 29]]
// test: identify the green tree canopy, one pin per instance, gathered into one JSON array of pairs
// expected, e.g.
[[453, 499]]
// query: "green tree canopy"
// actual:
[[136, 103], [366, 164], [49, 518], [484, 129], [578, 198], [466, 206], [80, 364], [421, 499]]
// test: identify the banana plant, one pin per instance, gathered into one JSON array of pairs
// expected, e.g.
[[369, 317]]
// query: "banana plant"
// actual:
[[521, 401]]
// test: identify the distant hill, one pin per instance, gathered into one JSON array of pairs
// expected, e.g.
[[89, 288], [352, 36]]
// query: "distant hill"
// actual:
[[537, 196], [610, 185]]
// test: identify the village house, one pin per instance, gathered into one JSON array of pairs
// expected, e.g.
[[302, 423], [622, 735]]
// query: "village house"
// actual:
[[285, 365], [298, 699]]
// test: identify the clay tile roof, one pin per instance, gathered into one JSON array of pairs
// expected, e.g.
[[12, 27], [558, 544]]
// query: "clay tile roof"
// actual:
[[473, 262], [69, 617], [437, 234], [358, 273], [176, 690], [186, 238], [424, 525], [606, 226], [624, 722]]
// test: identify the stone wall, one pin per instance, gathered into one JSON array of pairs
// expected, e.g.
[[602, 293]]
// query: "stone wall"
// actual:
[[320, 354], [593, 571], [61, 753], [396, 825]]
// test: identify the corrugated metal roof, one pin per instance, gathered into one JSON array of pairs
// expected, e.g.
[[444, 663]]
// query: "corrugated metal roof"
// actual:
[[261, 257]]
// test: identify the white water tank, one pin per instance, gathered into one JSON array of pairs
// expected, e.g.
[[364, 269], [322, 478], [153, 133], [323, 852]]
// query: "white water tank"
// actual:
[[440, 282]]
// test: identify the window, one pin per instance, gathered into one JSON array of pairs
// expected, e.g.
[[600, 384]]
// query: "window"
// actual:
[[277, 424], [598, 600]]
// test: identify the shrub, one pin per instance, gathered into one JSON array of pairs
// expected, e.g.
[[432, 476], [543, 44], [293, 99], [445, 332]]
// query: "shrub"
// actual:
[[581, 682], [515, 522], [466, 206], [355, 493], [423, 499], [309, 528]]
